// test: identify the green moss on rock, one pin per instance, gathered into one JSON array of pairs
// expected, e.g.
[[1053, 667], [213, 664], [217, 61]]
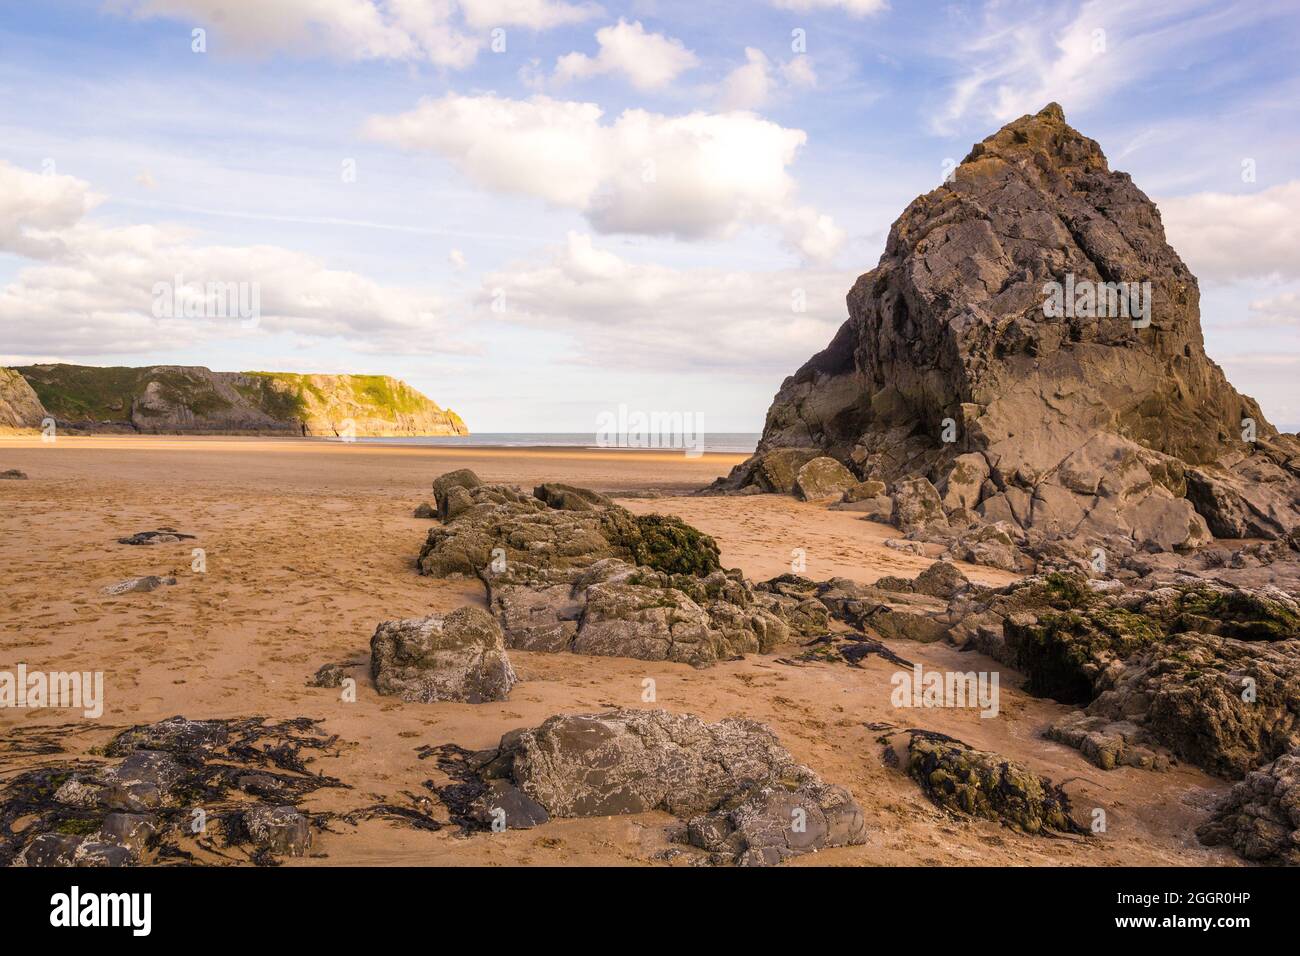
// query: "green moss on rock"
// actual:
[[667, 543]]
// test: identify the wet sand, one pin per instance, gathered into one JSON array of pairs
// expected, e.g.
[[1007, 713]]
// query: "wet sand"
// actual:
[[309, 545]]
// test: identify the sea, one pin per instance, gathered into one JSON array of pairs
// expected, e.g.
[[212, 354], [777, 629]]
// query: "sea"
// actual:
[[741, 443]]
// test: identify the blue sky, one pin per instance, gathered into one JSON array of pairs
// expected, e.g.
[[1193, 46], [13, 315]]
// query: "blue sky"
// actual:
[[619, 204]]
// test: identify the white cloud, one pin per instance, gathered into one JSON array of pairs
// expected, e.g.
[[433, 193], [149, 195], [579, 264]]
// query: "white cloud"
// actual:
[[798, 72], [854, 8], [533, 14], [444, 32], [650, 61], [91, 288], [750, 86], [1231, 236], [701, 175], [456, 259], [34, 209], [626, 314], [1280, 310]]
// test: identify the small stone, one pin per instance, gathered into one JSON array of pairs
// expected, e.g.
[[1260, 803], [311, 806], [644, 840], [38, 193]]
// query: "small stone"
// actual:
[[281, 830], [143, 585]]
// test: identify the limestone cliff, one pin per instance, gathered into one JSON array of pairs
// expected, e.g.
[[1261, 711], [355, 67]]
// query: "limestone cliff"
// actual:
[[20, 409], [175, 399]]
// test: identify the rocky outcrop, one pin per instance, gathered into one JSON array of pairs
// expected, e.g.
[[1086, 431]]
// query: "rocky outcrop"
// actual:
[[959, 382], [176, 399], [742, 795], [1195, 671], [458, 657], [566, 569]]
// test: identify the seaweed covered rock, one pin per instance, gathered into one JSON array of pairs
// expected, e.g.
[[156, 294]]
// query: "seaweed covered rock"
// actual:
[[982, 784], [547, 535], [1260, 816], [742, 794], [1225, 705], [1065, 654], [459, 657], [137, 804]]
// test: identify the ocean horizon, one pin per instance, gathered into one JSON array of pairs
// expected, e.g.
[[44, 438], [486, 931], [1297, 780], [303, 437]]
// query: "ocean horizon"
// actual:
[[723, 442]]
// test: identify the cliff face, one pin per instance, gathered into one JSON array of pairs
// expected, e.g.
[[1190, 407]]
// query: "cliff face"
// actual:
[[972, 357], [174, 399], [19, 406]]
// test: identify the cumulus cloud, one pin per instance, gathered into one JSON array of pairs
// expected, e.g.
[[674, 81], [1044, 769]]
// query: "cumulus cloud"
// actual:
[[749, 87], [854, 8], [1231, 236], [701, 175], [447, 33], [650, 61], [93, 289], [625, 313]]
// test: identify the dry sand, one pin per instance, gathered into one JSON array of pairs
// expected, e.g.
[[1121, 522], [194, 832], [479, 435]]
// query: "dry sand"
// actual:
[[309, 545]]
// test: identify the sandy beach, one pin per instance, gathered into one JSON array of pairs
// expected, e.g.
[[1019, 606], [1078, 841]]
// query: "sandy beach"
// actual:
[[309, 545]]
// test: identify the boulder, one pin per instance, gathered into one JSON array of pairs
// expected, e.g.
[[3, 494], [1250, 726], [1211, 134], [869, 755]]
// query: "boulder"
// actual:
[[917, 505], [962, 485], [823, 479], [864, 491], [460, 657], [461, 478], [941, 579], [981, 784], [742, 794]]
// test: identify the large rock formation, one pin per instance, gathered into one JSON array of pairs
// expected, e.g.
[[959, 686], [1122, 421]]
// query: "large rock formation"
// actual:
[[955, 366], [566, 569], [174, 399]]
